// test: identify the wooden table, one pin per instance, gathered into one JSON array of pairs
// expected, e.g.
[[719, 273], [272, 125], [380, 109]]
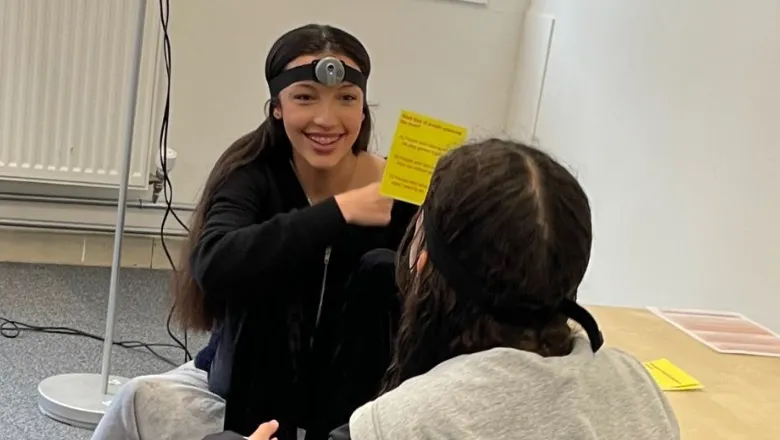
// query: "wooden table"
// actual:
[[741, 395]]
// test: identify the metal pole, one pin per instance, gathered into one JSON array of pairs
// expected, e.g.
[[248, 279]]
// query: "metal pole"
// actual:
[[122, 201]]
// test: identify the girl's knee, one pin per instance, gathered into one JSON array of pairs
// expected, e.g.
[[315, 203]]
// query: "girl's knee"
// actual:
[[138, 391]]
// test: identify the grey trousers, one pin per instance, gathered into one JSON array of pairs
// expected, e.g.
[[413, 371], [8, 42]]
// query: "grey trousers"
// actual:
[[176, 405]]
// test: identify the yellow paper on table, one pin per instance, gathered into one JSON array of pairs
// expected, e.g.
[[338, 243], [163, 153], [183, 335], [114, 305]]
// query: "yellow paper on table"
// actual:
[[418, 144], [669, 377]]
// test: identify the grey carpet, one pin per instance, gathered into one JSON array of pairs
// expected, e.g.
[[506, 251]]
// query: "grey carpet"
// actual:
[[73, 296]]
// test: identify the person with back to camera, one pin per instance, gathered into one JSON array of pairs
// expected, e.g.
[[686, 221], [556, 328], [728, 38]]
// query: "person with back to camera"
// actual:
[[489, 280], [287, 264]]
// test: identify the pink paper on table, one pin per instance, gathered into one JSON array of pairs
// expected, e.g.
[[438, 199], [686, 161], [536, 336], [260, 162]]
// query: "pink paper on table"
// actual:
[[724, 332]]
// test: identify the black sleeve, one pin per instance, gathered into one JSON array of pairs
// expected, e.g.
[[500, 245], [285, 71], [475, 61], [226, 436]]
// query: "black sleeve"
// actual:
[[403, 213], [241, 243], [340, 433]]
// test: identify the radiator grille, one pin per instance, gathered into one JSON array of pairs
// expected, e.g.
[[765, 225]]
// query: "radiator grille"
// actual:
[[65, 70]]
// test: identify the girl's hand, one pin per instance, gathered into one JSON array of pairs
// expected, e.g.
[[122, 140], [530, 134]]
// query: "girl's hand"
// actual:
[[365, 206], [265, 431]]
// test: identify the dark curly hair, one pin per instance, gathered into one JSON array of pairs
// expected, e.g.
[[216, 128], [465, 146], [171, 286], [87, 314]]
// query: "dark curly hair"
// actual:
[[521, 224]]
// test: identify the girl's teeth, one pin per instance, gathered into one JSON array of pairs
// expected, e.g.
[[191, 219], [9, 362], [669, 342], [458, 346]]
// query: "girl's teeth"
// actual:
[[324, 140]]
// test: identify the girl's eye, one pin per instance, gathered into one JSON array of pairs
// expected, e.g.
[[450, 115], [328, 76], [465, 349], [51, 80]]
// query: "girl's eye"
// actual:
[[349, 97], [303, 97]]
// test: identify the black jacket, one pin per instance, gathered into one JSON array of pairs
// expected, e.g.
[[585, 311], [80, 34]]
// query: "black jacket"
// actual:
[[265, 256]]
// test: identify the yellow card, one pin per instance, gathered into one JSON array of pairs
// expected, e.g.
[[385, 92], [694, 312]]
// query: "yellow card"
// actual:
[[418, 144], [670, 377]]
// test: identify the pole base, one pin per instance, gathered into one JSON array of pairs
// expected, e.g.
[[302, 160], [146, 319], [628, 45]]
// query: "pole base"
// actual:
[[75, 399]]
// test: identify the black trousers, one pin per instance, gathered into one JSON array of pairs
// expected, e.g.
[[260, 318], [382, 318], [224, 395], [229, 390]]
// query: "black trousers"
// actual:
[[358, 333]]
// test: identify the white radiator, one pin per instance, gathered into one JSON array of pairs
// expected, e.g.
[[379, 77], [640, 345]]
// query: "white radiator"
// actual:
[[65, 70]]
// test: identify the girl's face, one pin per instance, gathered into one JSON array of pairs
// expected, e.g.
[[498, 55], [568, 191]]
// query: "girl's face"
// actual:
[[321, 122]]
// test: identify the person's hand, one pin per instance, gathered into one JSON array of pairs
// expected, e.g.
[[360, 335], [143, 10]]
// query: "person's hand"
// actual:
[[265, 431], [365, 206]]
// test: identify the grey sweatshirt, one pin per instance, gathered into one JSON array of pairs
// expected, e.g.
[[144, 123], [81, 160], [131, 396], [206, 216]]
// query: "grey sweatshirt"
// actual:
[[504, 394]]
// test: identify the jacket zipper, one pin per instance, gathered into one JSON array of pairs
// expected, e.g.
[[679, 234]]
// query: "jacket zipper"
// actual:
[[322, 287], [324, 271], [322, 295]]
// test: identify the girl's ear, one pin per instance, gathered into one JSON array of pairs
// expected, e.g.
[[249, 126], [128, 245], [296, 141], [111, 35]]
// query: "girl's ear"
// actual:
[[422, 260]]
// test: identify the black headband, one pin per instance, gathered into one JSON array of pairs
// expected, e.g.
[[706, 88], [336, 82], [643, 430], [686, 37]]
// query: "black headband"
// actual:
[[329, 71], [467, 285]]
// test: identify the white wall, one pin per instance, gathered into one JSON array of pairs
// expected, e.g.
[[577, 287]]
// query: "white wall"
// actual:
[[450, 59], [668, 110]]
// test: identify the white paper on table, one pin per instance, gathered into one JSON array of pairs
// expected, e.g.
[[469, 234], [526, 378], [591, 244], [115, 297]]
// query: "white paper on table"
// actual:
[[724, 332]]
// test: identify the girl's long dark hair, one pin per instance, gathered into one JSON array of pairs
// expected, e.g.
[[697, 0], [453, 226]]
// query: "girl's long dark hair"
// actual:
[[190, 308], [521, 223]]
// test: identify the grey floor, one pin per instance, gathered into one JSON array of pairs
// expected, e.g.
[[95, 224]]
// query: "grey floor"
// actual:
[[73, 296]]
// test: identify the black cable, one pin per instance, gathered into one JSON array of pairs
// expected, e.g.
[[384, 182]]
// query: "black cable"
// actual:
[[165, 9], [12, 329]]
